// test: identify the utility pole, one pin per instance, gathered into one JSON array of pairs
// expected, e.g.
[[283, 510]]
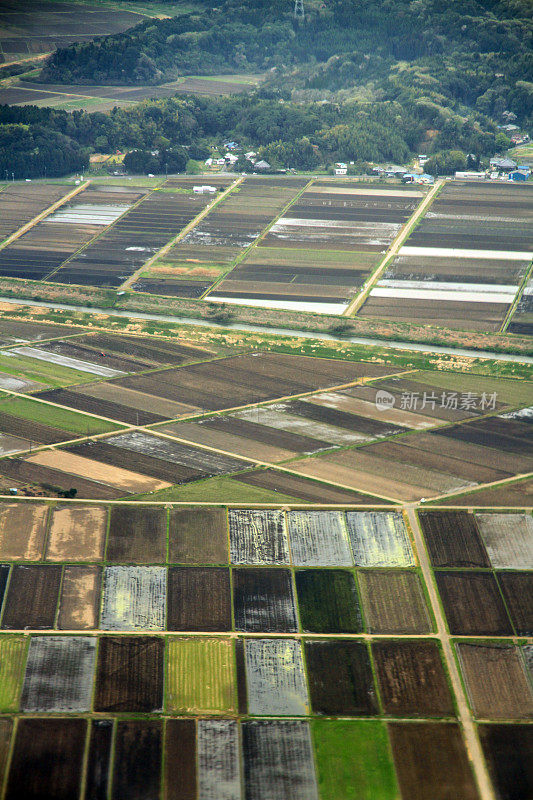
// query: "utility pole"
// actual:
[[299, 12]]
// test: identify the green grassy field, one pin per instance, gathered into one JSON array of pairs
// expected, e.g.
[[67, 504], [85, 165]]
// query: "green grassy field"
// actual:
[[41, 371], [201, 676], [56, 417], [353, 760], [218, 490], [514, 392]]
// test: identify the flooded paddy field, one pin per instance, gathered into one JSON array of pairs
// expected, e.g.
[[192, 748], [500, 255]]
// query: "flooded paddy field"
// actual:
[[321, 250], [173, 649], [155, 218], [60, 235], [461, 267], [202, 256]]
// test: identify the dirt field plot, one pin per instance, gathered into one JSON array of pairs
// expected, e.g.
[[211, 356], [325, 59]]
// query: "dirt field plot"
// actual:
[[59, 674], [517, 494], [394, 602], [473, 604], [243, 379], [22, 531], [198, 536], [313, 276], [508, 539], [24, 473], [422, 465], [517, 590], [318, 539], [462, 265], [28, 30], [20, 203], [340, 678], [137, 534], [79, 466], [497, 682], [199, 599], [320, 251], [431, 761], [180, 762], [453, 540], [79, 603], [412, 680], [509, 753], [47, 758], [129, 674], [328, 601], [210, 248], [134, 599], [308, 491], [82, 351], [278, 760], [133, 239], [32, 598], [77, 533], [60, 235], [218, 759], [113, 402], [263, 601], [200, 677], [379, 539], [418, 404], [371, 469], [138, 751], [275, 678]]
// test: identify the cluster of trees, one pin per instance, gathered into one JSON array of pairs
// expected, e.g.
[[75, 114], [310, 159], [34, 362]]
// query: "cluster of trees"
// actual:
[[31, 151], [163, 135], [156, 161], [476, 54]]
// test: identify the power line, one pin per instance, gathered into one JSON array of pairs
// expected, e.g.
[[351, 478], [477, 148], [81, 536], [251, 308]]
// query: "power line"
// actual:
[[299, 12]]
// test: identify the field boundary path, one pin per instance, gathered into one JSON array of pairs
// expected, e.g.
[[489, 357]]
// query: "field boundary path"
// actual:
[[472, 742], [518, 296], [62, 200], [405, 231], [184, 231]]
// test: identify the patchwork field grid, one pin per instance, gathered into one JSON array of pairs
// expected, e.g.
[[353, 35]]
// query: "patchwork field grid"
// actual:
[[270, 653]]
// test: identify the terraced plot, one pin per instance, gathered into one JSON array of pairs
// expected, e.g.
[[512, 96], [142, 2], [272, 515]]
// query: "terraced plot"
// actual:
[[462, 266]]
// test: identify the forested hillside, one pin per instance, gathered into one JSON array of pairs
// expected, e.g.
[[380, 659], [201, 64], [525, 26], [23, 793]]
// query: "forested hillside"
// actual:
[[475, 54]]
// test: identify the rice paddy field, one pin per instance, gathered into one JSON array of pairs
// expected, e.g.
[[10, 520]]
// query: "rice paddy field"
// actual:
[[211, 248], [108, 415], [174, 651], [320, 251], [463, 264]]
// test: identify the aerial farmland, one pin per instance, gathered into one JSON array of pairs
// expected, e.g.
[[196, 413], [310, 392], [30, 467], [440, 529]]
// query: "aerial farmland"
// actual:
[[235, 566]]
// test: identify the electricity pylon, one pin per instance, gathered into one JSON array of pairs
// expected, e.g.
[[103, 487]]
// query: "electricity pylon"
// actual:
[[299, 12]]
